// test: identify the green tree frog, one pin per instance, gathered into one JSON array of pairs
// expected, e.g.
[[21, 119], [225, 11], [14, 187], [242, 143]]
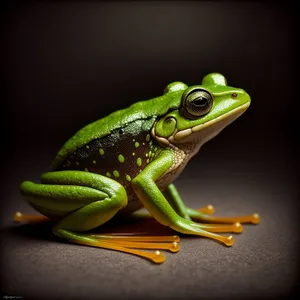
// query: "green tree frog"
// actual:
[[130, 159]]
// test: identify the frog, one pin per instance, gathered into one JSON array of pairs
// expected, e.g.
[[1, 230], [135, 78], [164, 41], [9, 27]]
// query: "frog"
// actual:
[[130, 159]]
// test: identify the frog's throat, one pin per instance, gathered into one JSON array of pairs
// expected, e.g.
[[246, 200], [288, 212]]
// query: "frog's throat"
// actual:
[[180, 135]]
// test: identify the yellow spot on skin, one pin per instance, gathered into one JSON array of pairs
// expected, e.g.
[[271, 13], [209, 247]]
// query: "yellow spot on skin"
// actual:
[[137, 144], [116, 173], [108, 174], [121, 158], [148, 161], [94, 162], [139, 161], [86, 169], [133, 154], [101, 151], [77, 163], [143, 144], [146, 154], [87, 146], [148, 137], [128, 178], [133, 140]]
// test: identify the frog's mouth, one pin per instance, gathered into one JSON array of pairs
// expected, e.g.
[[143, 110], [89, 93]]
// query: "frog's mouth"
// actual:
[[202, 133]]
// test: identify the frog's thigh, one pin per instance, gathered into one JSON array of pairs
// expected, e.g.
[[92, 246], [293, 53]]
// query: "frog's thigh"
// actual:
[[88, 199], [89, 216]]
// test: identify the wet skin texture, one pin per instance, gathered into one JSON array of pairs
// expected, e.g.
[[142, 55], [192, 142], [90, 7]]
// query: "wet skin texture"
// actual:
[[66, 65], [130, 159]]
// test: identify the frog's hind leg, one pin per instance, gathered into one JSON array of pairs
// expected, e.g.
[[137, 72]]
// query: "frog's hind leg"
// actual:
[[88, 217], [88, 201], [19, 217]]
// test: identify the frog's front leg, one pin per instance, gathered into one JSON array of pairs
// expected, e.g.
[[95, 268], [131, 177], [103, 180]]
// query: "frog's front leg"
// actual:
[[179, 206], [87, 201], [202, 216], [154, 201]]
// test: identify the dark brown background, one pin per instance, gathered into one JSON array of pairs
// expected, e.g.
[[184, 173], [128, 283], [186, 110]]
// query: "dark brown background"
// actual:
[[67, 64]]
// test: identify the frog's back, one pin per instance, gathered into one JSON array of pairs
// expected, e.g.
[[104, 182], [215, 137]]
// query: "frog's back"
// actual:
[[119, 120], [119, 146]]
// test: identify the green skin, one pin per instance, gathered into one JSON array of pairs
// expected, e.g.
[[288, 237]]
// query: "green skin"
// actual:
[[129, 160]]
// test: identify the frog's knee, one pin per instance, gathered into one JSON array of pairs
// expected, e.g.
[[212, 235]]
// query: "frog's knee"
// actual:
[[137, 182], [27, 188], [121, 197]]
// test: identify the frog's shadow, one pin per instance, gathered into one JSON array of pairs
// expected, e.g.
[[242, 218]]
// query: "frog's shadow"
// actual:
[[131, 225], [36, 231]]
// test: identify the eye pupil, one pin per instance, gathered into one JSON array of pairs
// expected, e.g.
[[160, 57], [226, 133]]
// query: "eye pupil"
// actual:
[[200, 102]]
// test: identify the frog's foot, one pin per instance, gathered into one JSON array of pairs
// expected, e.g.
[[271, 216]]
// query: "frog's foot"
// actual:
[[198, 215], [141, 242], [19, 218], [170, 243], [123, 243], [206, 230], [235, 228], [128, 244], [209, 209]]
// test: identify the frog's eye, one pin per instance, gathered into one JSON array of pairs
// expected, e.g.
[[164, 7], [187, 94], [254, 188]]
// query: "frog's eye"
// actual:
[[197, 102]]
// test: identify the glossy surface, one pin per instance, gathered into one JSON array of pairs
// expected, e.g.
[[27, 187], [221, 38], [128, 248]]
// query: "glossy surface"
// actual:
[[130, 159]]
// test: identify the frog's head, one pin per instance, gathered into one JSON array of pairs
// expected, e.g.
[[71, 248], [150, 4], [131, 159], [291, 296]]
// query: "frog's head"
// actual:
[[202, 111]]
